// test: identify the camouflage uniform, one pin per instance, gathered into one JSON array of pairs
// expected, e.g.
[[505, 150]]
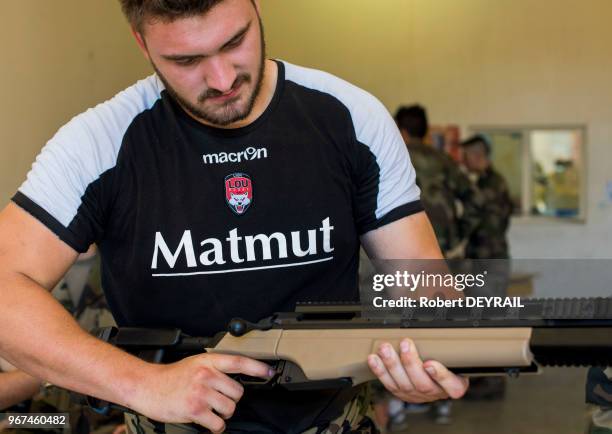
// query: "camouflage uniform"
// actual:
[[599, 392], [488, 241], [452, 203], [355, 419]]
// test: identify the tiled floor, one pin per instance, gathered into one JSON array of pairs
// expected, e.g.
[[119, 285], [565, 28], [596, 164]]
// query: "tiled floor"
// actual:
[[550, 403]]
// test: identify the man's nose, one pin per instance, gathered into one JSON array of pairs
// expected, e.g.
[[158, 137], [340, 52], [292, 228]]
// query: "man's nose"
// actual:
[[220, 74]]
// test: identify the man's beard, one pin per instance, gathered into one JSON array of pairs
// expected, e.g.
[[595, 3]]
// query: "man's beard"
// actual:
[[228, 113]]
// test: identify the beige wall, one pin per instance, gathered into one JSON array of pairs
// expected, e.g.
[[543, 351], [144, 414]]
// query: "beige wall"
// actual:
[[475, 62], [58, 58]]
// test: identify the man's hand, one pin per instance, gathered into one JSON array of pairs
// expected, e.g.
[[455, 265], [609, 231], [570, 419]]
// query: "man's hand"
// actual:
[[410, 379], [196, 389]]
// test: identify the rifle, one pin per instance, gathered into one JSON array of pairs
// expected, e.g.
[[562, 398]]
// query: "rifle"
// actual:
[[325, 345]]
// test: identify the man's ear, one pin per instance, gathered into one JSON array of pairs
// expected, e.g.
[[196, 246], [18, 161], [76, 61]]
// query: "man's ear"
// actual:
[[141, 42]]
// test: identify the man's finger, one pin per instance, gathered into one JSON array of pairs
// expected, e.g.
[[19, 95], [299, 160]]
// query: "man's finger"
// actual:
[[211, 421], [378, 368], [221, 404], [453, 385], [395, 368], [226, 385], [241, 365], [413, 365]]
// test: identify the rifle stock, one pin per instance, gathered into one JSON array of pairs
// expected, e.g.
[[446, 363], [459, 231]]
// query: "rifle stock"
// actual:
[[326, 345], [337, 353]]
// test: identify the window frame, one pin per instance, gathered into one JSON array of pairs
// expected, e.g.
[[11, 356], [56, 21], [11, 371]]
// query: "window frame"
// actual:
[[527, 175]]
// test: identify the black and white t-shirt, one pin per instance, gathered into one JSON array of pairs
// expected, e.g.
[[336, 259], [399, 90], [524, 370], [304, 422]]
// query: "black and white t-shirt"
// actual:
[[197, 225]]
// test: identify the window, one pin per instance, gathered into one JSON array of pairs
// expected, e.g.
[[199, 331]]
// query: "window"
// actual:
[[544, 168]]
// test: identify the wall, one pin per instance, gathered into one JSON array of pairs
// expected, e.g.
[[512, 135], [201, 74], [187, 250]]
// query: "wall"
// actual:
[[475, 62], [59, 57]]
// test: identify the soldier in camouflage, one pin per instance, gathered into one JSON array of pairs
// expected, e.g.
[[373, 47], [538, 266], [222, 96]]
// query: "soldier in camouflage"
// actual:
[[488, 241], [452, 203]]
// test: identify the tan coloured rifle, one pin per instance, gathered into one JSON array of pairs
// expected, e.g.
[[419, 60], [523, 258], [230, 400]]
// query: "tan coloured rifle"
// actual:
[[324, 345]]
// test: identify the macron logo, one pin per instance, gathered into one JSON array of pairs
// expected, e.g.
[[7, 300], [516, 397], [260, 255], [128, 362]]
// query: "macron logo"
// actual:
[[250, 153]]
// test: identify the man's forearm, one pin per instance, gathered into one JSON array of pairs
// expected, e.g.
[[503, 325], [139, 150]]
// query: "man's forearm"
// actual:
[[16, 386], [40, 337]]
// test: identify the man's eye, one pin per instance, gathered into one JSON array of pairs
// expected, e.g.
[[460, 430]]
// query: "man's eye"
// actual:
[[234, 43], [188, 61]]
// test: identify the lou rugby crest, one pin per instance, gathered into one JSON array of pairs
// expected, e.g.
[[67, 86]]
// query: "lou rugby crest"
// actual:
[[238, 192]]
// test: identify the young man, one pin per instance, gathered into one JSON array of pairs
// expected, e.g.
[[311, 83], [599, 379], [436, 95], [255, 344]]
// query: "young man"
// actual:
[[226, 185]]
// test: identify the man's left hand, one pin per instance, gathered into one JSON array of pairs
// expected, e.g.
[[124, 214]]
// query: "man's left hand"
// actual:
[[410, 379]]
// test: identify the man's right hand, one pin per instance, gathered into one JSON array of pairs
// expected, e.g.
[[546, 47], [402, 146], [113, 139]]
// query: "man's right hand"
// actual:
[[41, 338], [196, 389]]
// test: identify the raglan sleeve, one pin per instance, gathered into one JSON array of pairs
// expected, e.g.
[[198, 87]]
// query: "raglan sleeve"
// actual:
[[69, 186], [385, 179]]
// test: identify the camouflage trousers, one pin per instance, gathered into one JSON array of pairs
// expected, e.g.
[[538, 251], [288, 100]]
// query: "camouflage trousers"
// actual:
[[599, 392], [356, 419]]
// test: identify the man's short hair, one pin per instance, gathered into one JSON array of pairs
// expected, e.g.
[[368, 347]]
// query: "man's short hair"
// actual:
[[412, 119], [137, 11], [477, 140]]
